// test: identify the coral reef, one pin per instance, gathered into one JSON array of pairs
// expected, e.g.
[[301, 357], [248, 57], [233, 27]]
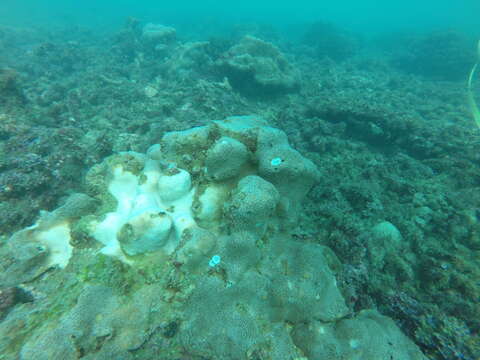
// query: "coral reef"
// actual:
[[11, 296], [10, 91], [388, 211], [444, 55], [258, 68], [219, 250], [327, 40]]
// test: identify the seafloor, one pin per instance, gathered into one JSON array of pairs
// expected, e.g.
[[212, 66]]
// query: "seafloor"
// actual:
[[385, 120]]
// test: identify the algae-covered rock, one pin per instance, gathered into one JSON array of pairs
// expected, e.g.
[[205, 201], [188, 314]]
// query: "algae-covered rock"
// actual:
[[22, 262], [384, 241], [189, 60], [100, 323]]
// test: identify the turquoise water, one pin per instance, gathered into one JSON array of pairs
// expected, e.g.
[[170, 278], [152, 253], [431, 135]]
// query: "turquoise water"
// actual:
[[252, 180], [368, 15]]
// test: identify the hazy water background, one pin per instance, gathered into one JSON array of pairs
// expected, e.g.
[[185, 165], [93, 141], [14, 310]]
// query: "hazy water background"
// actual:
[[361, 16], [386, 120]]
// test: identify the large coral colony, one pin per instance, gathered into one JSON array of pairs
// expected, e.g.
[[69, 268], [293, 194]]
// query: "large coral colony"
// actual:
[[221, 214], [314, 229]]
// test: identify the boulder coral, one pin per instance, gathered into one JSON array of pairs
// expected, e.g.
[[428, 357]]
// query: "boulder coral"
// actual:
[[189, 245], [258, 68]]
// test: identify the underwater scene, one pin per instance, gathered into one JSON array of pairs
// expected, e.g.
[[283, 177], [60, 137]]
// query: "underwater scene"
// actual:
[[258, 180]]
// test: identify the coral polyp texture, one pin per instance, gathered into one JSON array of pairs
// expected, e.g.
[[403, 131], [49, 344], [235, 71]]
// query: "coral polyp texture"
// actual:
[[187, 251]]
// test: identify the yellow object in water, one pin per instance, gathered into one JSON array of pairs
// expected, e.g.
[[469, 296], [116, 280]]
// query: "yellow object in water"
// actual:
[[471, 98]]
